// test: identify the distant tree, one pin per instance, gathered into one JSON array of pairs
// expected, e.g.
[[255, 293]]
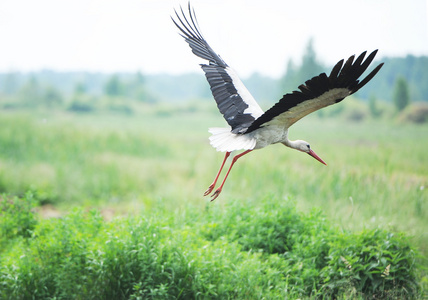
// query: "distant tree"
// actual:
[[139, 78], [263, 88], [138, 89], [291, 67], [289, 80], [310, 65], [297, 75], [10, 83], [80, 88], [52, 97], [81, 101], [30, 93], [374, 110], [401, 93], [114, 86]]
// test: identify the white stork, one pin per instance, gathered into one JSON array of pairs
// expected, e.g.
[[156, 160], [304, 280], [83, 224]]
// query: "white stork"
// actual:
[[250, 127]]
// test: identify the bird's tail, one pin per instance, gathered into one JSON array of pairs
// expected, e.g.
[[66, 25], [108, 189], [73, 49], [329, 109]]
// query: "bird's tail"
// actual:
[[222, 139]]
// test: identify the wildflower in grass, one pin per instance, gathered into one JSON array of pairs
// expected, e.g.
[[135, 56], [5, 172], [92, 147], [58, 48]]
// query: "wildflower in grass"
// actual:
[[348, 265], [386, 271]]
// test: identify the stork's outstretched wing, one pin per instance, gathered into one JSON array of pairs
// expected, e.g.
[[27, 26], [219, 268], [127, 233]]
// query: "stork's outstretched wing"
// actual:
[[318, 92], [233, 99]]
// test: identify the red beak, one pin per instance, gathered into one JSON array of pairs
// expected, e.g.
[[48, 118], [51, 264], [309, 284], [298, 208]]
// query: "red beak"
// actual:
[[312, 153]]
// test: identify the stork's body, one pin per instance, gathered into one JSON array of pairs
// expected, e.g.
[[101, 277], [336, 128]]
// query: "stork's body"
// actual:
[[250, 127]]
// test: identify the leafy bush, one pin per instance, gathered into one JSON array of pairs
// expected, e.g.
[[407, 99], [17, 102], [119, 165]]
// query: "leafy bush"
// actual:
[[374, 262], [81, 106], [415, 113], [16, 218], [245, 251], [319, 257], [355, 110]]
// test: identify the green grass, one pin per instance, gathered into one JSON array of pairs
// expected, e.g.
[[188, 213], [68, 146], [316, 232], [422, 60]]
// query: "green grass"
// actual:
[[160, 164]]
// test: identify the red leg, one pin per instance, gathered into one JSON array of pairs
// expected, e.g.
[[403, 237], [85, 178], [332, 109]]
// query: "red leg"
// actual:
[[218, 191], [211, 187]]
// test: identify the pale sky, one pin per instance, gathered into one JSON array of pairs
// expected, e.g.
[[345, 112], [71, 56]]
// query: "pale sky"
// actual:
[[251, 36]]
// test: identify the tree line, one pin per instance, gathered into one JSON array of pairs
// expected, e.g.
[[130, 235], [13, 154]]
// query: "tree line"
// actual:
[[401, 81]]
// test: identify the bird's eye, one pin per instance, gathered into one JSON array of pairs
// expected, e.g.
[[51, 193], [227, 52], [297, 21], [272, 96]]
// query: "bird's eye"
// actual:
[[309, 147]]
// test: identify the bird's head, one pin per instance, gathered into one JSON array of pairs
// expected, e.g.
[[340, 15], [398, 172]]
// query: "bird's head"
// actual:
[[305, 147]]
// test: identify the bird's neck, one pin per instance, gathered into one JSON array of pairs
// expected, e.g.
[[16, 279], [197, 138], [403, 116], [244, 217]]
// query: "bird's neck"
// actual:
[[290, 144]]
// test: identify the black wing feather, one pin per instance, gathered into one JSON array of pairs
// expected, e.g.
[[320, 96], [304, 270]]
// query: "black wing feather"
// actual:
[[229, 101], [342, 76], [334, 73]]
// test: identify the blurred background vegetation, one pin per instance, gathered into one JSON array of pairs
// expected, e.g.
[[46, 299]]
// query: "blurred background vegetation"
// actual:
[[398, 91]]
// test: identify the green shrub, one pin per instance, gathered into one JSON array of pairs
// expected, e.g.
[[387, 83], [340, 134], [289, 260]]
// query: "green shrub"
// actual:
[[244, 251], [415, 113], [355, 110], [82, 104], [320, 258], [373, 262], [17, 218]]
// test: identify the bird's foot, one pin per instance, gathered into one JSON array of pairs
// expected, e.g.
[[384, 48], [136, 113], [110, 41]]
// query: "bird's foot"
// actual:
[[209, 190], [216, 194]]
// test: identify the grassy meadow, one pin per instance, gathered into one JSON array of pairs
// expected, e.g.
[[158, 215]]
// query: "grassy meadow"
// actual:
[[128, 190]]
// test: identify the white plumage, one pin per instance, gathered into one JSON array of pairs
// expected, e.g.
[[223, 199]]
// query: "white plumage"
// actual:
[[222, 139]]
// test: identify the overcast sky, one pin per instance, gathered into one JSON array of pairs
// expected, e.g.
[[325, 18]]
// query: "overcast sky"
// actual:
[[251, 36]]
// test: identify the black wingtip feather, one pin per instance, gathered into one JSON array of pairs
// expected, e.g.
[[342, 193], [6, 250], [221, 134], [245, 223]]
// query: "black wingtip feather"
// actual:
[[336, 69], [346, 69], [360, 58], [369, 60], [368, 78], [189, 29]]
